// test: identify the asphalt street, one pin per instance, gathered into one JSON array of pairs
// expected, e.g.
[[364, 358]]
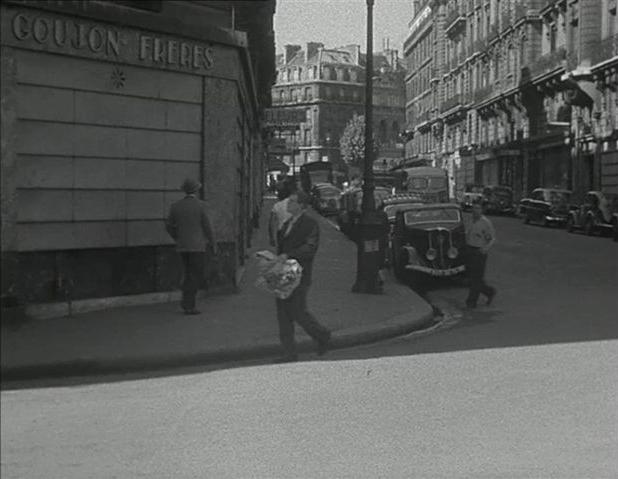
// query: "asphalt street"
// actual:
[[553, 287], [531, 412]]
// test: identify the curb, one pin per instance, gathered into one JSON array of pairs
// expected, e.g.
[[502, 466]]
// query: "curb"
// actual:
[[396, 326]]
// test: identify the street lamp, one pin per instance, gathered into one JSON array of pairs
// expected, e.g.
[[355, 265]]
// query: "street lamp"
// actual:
[[373, 224]]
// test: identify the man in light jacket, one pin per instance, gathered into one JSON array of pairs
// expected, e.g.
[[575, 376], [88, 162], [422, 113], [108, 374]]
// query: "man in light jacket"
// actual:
[[189, 225]]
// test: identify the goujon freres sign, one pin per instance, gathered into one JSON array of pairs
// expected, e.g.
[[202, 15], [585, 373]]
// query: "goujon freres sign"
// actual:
[[74, 36]]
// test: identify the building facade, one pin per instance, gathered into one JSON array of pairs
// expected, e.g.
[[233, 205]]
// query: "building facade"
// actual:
[[329, 86], [516, 93], [106, 108]]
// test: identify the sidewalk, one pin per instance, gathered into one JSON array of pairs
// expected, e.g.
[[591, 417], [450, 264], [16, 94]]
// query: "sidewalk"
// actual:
[[231, 327]]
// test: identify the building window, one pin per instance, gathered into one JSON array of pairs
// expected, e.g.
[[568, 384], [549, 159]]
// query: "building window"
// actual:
[[308, 93]]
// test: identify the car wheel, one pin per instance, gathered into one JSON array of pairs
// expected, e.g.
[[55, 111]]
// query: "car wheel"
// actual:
[[570, 225], [589, 227]]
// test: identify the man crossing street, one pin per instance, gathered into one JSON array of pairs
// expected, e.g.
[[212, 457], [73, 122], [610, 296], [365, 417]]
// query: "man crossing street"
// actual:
[[480, 237]]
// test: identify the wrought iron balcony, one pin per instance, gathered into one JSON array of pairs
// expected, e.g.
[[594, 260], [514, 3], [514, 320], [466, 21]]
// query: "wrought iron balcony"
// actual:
[[548, 62]]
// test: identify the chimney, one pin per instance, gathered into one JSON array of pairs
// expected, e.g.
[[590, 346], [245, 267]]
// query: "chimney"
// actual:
[[312, 49], [290, 51]]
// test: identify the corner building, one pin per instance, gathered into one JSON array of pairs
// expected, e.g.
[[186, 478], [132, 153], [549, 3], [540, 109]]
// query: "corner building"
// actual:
[[106, 108]]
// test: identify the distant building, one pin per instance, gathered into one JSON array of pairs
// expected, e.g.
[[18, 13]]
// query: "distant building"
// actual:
[[328, 85], [106, 107], [518, 93]]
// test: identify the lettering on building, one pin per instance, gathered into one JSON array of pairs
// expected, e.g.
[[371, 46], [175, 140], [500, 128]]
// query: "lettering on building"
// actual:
[[77, 37]]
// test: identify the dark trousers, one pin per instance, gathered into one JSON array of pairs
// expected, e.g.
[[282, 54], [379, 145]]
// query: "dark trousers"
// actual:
[[294, 309], [476, 262], [193, 263]]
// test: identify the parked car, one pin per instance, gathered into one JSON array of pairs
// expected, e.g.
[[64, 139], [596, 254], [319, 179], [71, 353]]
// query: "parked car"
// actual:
[[350, 207], [325, 198], [498, 199], [547, 206], [428, 240], [468, 199], [393, 204], [596, 214]]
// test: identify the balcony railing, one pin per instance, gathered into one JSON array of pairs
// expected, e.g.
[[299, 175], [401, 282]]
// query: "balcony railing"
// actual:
[[548, 62], [605, 49], [450, 103]]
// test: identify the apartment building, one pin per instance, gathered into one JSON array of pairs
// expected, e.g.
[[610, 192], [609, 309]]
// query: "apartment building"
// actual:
[[522, 93], [328, 84]]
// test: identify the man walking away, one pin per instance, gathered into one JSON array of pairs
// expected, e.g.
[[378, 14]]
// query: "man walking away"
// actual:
[[189, 225], [480, 237], [299, 239]]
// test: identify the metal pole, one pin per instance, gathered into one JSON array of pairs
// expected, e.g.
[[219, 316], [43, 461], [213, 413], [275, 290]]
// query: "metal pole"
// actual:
[[368, 203], [373, 227]]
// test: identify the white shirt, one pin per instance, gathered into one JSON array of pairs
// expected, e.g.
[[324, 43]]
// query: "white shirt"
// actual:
[[480, 232]]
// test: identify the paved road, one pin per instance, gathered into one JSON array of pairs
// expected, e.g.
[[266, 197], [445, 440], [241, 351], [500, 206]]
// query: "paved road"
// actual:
[[553, 287], [531, 412]]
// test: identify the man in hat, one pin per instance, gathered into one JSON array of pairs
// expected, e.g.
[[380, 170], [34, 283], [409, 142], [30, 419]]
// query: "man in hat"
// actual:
[[299, 239], [189, 225]]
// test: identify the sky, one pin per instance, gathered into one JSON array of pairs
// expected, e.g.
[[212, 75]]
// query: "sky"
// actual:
[[341, 22]]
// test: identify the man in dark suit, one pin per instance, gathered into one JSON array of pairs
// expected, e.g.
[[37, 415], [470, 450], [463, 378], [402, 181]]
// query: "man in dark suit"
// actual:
[[299, 239], [189, 225]]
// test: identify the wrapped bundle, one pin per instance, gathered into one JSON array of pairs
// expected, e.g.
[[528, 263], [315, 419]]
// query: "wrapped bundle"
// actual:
[[277, 276]]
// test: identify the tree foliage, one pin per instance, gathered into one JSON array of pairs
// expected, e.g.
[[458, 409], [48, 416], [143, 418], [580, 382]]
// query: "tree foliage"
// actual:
[[352, 142]]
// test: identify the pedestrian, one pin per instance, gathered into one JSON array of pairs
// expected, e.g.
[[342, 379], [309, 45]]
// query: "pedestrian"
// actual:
[[279, 213], [299, 239], [189, 226], [480, 237]]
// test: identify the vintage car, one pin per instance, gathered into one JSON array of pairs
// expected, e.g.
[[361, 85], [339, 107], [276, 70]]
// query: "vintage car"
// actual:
[[547, 206], [469, 198], [498, 199], [350, 207], [428, 240], [325, 198], [393, 204], [596, 214]]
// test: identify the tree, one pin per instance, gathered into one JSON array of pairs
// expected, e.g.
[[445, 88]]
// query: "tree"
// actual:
[[352, 142]]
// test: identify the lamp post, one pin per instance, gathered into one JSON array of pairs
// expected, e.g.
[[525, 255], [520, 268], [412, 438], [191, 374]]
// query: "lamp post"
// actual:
[[373, 225]]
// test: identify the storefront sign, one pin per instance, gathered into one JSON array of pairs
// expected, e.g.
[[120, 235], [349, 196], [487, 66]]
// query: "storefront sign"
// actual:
[[73, 36], [285, 117]]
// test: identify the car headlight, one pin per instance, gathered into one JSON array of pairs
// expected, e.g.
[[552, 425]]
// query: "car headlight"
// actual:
[[452, 252], [431, 254]]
